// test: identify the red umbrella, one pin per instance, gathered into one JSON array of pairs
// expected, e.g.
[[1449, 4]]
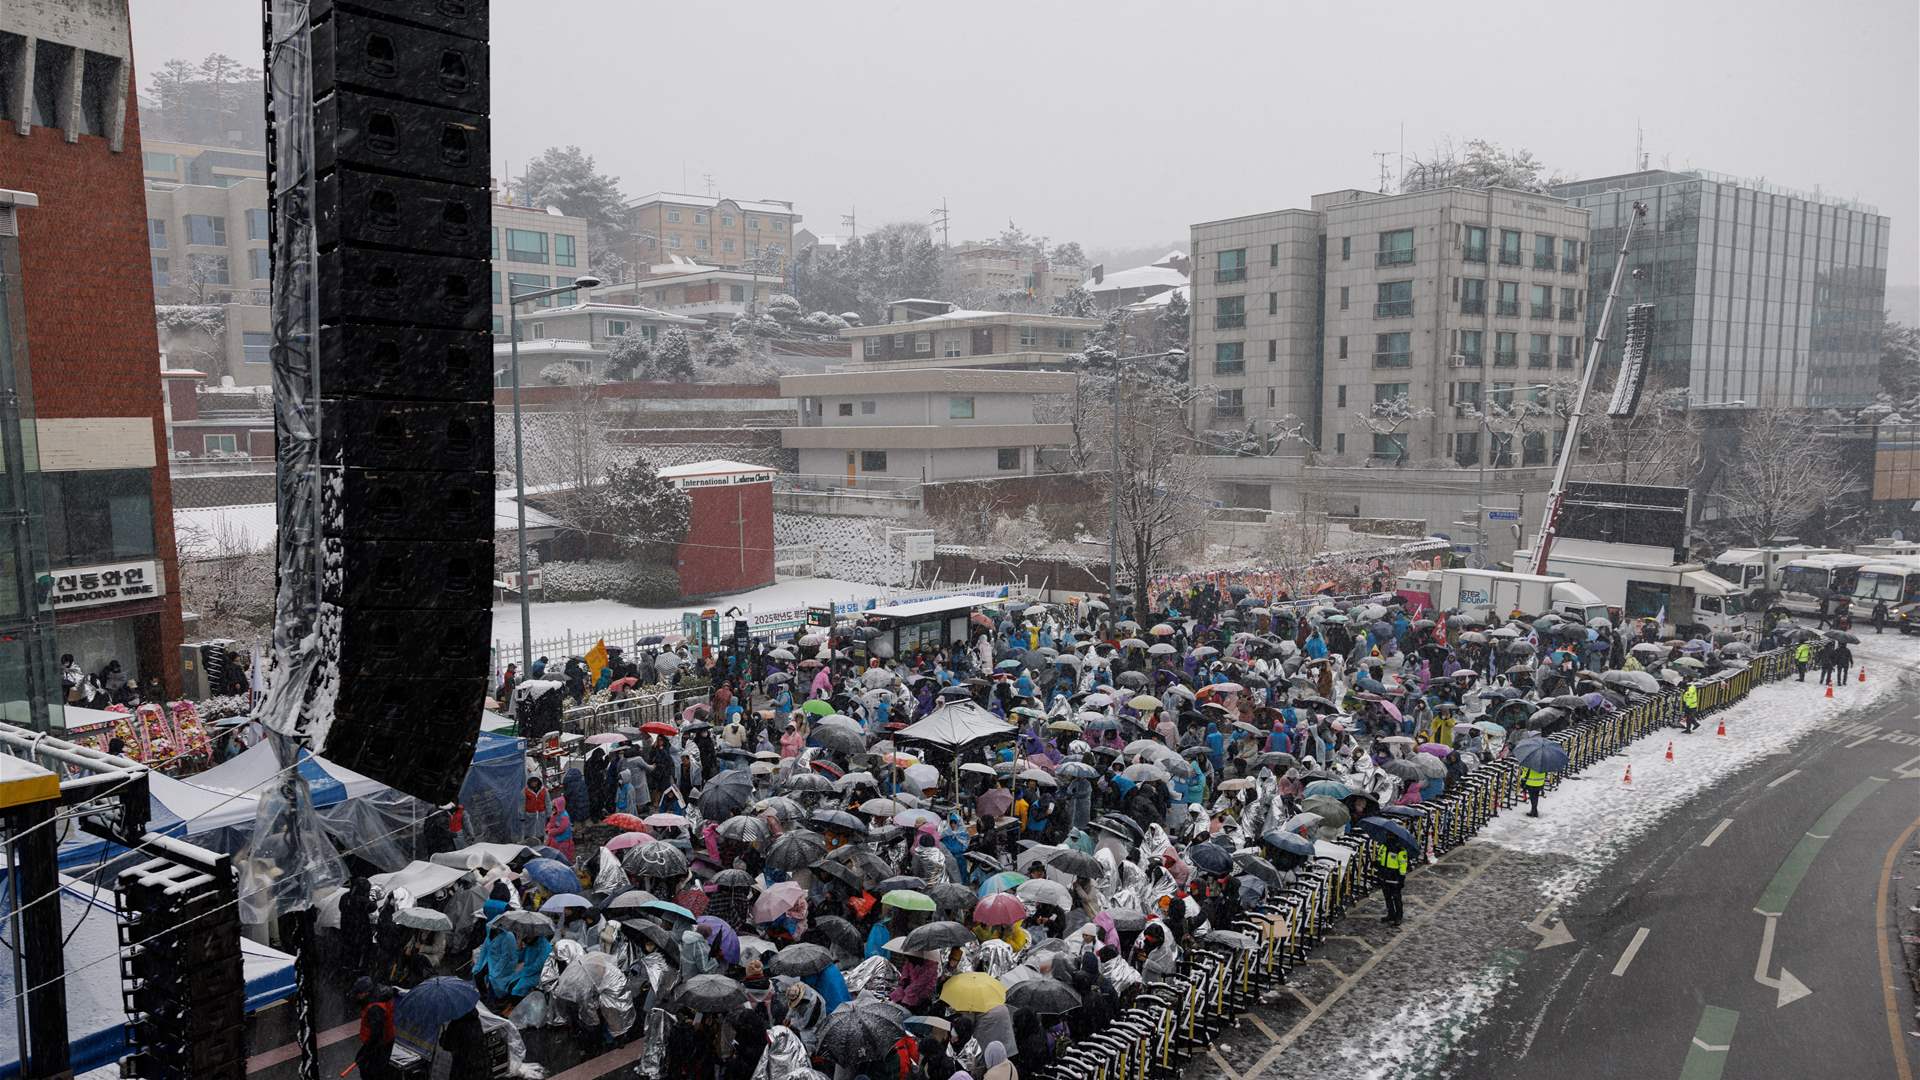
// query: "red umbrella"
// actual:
[[655, 727], [1000, 909], [624, 822]]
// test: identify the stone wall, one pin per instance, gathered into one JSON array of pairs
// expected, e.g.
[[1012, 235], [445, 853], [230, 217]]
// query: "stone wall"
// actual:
[[223, 489]]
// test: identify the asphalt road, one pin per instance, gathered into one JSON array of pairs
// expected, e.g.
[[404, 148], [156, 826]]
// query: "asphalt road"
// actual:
[[1674, 970]]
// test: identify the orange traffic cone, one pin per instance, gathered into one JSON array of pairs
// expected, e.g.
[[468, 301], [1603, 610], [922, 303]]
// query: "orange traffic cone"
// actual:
[[1721, 731], [1863, 674], [1669, 750], [1829, 690], [1628, 779]]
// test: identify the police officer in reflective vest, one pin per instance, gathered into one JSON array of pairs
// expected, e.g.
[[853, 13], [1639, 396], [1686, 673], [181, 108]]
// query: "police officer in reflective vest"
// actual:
[[1690, 700], [1392, 861], [1802, 656], [1534, 781]]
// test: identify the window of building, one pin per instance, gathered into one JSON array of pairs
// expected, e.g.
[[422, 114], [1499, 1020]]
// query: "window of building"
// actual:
[[699, 217], [1569, 351], [205, 229], [1542, 252], [1466, 448], [1273, 303], [1533, 448], [1542, 297], [1569, 310], [256, 224], [1386, 392], [1229, 402], [779, 224], [752, 222], [737, 293], [1269, 397], [726, 221], [1500, 450], [869, 407], [951, 345], [1394, 300], [1570, 254], [1339, 397], [221, 444], [673, 241], [1539, 350], [536, 330], [1475, 248], [845, 409], [563, 250], [1390, 447], [520, 284], [1346, 248], [1343, 347], [1396, 248], [1273, 254], [1029, 337], [1008, 458], [1233, 265], [673, 215], [160, 275], [1509, 247], [51, 67], [1273, 352], [1473, 296], [923, 344], [1506, 350], [700, 244], [1393, 350], [98, 515], [1063, 340], [1464, 393], [960, 408], [873, 461], [1340, 443], [617, 328], [526, 245], [1230, 313], [1509, 303], [1345, 293], [496, 286], [257, 264], [499, 325], [256, 346], [208, 269], [163, 164], [157, 233], [1229, 358], [1472, 346], [726, 246]]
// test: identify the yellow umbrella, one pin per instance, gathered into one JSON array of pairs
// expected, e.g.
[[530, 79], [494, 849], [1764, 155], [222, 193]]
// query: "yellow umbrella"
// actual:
[[1144, 703], [1063, 725], [974, 992]]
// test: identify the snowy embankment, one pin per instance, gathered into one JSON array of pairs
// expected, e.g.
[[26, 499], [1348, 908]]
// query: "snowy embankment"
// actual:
[[552, 621]]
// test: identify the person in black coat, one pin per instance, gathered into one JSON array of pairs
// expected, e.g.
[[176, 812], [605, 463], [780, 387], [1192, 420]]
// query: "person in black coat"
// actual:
[[356, 926]]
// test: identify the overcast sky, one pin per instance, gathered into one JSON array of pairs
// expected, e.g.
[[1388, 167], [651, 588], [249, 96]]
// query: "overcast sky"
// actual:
[[1121, 122]]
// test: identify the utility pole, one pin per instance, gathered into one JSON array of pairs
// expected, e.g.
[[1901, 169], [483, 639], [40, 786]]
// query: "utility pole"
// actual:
[[1381, 156], [848, 222], [939, 214]]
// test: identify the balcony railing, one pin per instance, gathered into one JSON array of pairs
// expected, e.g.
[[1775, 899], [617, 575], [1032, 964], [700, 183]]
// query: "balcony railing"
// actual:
[[1473, 307], [1543, 262], [1543, 311], [1510, 308], [1509, 258], [1234, 367], [1472, 359], [1393, 309], [1570, 264], [1505, 358], [1539, 359], [1568, 360], [1230, 273], [1397, 257], [1230, 322], [1569, 313], [1476, 255], [1229, 411], [1393, 359]]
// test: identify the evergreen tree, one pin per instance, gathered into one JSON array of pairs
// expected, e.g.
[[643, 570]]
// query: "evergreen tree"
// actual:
[[647, 516], [629, 356], [673, 357], [567, 179]]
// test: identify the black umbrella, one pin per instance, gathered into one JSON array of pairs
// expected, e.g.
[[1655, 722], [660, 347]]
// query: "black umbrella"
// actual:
[[712, 994], [1043, 997], [939, 935], [887, 885], [744, 829], [862, 1031], [1253, 864], [871, 868], [802, 959], [1388, 831], [839, 933], [731, 878], [1210, 858], [656, 860], [808, 782], [839, 819], [628, 903], [796, 848], [952, 896], [841, 873], [1076, 862]]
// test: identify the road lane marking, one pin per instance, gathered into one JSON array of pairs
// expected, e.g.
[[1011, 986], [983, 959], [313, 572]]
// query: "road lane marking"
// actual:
[[1787, 989], [1783, 778], [1214, 1053], [1861, 741], [1633, 949], [1717, 830], [1262, 1024], [1900, 1063], [1798, 861], [1707, 1056]]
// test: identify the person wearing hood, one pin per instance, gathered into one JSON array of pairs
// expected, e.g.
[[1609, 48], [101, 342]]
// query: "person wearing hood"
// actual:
[[799, 1008], [374, 1059], [560, 828]]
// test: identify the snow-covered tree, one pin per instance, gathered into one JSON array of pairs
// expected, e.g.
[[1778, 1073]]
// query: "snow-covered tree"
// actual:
[[784, 308], [1174, 324], [558, 374], [867, 273], [1163, 493], [723, 350], [1389, 416], [645, 515], [228, 580], [673, 357], [1068, 254], [1786, 472], [1658, 444], [629, 356], [566, 177], [1076, 302], [1900, 362], [1478, 165], [821, 322], [217, 102]]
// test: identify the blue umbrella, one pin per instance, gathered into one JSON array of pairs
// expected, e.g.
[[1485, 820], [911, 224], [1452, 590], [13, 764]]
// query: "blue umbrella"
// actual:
[[1290, 843], [1405, 813], [422, 1011], [1371, 685], [552, 875], [667, 908], [1541, 755], [544, 852], [1332, 789], [1387, 831]]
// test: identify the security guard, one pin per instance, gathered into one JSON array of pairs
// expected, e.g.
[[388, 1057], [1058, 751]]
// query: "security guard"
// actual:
[[1392, 861], [1802, 656], [1691, 701], [1534, 781]]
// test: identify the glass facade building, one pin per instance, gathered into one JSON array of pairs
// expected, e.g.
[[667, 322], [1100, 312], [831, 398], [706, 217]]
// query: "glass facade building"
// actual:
[[1765, 296], [30, 693]]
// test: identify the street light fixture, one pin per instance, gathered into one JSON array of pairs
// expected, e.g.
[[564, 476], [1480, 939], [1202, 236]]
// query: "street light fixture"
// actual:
[[514, 300]]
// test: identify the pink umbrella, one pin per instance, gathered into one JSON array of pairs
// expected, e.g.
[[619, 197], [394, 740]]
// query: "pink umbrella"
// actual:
[[629, 839], [1435, 749], [778, 898], [605, 737], [1000, 909]]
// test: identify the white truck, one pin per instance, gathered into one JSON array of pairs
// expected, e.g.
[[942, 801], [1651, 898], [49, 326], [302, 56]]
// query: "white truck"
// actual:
[[1642, 581], [1761, 567], [1502, 592]]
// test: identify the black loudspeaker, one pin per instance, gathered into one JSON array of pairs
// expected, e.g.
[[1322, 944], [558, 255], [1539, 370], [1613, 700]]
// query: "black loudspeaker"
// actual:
[[1633, 362], [402, 224], [182, 982]]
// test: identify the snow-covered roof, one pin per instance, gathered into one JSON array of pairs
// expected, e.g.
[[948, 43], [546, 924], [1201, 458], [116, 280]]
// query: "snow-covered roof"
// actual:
[[1157, 300], [917, 325], [545, 346], [1140, 277], [678, 199], [1171, 256], [715, 467], [636, 311]]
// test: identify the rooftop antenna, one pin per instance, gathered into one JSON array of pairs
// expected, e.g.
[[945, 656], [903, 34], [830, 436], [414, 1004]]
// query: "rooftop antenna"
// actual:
[[848, 223], [1382, 156], [939, 215], [1639, 146], [1402, 166], [707, 178]]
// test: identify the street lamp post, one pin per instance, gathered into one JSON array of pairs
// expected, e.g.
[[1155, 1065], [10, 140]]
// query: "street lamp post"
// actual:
[[514, 300]]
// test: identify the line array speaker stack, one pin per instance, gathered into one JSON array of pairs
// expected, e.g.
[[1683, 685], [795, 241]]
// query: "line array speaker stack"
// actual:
[[405, 359], [1634, 362], [181, 976]]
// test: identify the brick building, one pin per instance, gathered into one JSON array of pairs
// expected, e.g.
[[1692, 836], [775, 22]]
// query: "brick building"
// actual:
[[729, 542], [81, 339]]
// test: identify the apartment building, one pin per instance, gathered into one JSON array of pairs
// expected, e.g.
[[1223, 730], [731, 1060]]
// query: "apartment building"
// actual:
[[715, 231], [1389, 319], [1762, 295], [934, 333], [913, 425], [89, 563], [534, 248], [990, 269]]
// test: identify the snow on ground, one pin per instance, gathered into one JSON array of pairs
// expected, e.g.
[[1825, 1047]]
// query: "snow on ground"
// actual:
[[580, 618], [1768, 721]]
